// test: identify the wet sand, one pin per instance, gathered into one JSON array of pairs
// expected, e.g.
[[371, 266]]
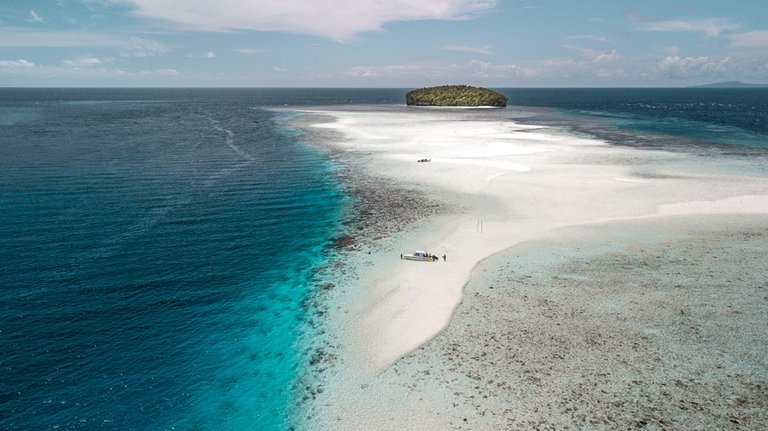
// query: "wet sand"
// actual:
[[620, 326]]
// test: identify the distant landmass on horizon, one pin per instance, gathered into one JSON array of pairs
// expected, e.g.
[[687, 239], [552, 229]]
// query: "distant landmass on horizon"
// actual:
[[731, 84]]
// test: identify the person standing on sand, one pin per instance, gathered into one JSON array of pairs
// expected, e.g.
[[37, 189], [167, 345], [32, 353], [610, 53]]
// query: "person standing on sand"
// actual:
[[444, 259]]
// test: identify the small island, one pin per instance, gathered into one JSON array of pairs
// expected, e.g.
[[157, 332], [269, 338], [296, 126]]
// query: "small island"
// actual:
[[455, 95]]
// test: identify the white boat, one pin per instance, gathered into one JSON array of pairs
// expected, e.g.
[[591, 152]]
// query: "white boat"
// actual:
[[419, 255]]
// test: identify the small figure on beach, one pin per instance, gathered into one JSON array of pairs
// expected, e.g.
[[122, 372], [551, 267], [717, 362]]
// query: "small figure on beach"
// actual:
[[401, 255], [444, 259]]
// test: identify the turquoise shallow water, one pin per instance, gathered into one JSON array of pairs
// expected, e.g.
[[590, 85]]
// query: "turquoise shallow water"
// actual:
[[156, 245]]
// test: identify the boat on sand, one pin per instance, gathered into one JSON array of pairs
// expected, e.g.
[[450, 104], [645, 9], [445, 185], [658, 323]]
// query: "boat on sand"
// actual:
[[419, 255]]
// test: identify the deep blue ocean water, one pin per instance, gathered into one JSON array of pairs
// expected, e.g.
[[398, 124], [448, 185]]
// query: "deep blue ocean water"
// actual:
[[732, 118], [156, 244]]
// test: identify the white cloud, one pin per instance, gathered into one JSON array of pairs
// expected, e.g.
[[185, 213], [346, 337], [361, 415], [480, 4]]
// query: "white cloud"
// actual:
[[693, 67], [709, 27], [209, 54], [138, 47], [130, 46], [78, 68], [606, 57], [603, 69], [22, 38], [439, 70], [278, 69], [34, 17], [16, 64], [596, 56], [752, 39], [163, 72], [339, 20], [611, 73], [485, 50], [79, 62], [250, 50], [422, 69], [492, 70], [589, 37]]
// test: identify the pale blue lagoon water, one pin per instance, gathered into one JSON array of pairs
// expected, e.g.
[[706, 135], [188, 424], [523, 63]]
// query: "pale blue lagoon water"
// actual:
[[156, 245]]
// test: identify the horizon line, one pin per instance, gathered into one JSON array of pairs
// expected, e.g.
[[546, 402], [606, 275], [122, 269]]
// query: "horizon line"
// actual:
[[202, 87]]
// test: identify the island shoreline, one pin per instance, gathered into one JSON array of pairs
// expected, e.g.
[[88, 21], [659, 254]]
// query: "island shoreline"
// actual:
[[383, 243]]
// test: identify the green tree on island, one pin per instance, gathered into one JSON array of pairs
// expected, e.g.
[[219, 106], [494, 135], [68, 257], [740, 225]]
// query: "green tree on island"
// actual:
[[455, 95]]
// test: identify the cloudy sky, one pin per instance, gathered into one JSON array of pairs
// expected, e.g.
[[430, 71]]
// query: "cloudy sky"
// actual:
[[382, 43]]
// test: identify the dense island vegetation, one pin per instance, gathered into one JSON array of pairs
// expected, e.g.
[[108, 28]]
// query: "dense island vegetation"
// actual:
[[455, 95]]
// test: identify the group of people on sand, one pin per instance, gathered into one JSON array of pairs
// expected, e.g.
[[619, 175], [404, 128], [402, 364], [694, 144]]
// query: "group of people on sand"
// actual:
[[423, 160], [435, 257]]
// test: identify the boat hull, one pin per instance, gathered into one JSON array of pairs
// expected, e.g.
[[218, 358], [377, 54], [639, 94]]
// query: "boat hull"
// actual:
[[420, 256]]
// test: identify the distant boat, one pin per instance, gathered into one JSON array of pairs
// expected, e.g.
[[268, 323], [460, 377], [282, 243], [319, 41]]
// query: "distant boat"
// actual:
[[420, 255]]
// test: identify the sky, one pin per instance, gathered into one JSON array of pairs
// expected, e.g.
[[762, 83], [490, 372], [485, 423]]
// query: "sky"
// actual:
[[382, 43]]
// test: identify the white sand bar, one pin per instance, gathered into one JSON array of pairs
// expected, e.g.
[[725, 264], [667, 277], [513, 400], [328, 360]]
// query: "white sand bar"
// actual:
[[516, 182], [510, 183]]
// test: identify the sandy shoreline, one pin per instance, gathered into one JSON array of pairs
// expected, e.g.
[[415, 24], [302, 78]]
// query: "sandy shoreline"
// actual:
[[491, 185]]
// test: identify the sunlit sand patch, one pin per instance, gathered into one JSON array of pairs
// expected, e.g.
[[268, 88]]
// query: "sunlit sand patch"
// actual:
[[631, 180]]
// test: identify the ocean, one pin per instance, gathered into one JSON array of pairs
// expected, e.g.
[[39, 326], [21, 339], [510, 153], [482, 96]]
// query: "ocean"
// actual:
[[732, 119], [157, 246]]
